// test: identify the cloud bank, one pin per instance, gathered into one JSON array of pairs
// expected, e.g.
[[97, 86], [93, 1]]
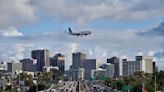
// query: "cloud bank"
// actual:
[[101, 44]]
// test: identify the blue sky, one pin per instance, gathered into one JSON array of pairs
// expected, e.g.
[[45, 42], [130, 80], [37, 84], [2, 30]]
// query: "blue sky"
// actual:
[[119, 28], [50, 25]]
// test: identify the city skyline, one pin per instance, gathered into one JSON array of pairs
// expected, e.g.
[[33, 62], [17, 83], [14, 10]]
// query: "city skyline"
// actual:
[[119, 28]]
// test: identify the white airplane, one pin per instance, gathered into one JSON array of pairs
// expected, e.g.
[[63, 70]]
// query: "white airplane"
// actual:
[[82, 33]]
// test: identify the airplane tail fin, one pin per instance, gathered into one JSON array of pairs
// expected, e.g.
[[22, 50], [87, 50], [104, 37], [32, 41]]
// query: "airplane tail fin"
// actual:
[[70, 30]]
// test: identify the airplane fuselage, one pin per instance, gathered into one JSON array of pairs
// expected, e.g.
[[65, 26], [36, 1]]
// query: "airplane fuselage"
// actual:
[[82, 33]]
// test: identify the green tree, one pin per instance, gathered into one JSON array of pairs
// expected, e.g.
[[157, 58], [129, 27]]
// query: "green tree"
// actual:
[[47, 76]]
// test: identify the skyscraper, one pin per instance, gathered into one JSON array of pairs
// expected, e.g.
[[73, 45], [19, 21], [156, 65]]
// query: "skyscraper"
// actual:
[[77, 59], [130, 67], [43, 58], [142, 63], [115, 61], [147, 63], [89, 65], [59, 61]]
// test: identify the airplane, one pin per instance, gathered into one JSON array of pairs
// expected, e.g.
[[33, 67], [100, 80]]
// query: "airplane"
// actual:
[[82, 33]]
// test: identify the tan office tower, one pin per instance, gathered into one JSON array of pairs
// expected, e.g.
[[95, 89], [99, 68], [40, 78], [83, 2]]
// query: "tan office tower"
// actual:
[[147, 63], [142, 63]]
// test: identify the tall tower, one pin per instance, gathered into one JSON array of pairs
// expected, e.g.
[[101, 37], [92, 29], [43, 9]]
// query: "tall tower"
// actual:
[[147, 63], [77, 60], [115, 61], [43, 58]]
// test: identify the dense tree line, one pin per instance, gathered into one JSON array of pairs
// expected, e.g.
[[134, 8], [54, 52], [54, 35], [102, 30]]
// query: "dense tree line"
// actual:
[[138, 81]]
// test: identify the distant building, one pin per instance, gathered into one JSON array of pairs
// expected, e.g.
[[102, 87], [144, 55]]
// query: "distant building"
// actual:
[[3, 66], [2, 83], [155, 68], [109, 69], [29, 65], [125, 67], [78, 74], [43, 58], [13, 67], [68, 73], [90, 64], [115, 62], [130, 67], [142, 63], [98, 73], [77, 59], [147, 63], [59, 61]]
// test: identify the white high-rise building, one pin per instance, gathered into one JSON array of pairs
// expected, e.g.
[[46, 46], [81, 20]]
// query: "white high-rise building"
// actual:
[[142, 63]]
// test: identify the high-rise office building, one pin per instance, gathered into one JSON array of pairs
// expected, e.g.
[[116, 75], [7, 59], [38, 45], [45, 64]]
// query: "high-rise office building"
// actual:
[[77, 59], [89, 65], [29, 64], [147, 63], [59, 61], [124, 67], [43, 58], [115, 62], [142, 63], [130, 67]]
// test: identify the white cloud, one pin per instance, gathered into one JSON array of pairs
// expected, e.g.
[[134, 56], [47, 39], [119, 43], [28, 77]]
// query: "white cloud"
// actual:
[[16, 12], [102, 44], [116, 10], [73, 47], [151, 53], [19, 12], [10, 32], [160, 63], [15, 52]]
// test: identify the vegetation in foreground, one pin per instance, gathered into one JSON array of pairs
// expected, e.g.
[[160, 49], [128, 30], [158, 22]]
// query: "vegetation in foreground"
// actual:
[[136, 82]]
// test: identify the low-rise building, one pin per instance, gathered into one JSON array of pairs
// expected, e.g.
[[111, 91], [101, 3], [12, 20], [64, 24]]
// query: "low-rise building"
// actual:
[[13, 67], [109, 69], [98, 73], [29, 65]]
